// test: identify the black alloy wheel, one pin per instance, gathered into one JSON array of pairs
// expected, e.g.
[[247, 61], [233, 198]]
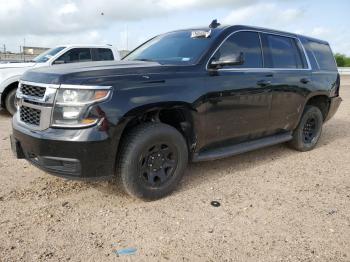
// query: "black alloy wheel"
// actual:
[[309, 129], [152, 160], [157, 164]]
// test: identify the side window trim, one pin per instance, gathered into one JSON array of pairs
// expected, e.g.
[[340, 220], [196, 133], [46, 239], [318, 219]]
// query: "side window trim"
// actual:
[[262, 50]]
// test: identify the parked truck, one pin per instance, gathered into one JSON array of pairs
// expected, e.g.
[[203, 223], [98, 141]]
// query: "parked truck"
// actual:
[[10, 73]]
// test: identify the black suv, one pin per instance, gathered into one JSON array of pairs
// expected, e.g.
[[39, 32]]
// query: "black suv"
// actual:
[[188, 95]]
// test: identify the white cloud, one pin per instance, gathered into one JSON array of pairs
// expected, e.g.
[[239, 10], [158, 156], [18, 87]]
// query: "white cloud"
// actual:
[[52, 22], [320, 31], [267, 13], [69, 8], [48, 23], [63, 16]]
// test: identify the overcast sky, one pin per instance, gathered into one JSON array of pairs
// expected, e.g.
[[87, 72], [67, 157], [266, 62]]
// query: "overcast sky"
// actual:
[[126, 24]]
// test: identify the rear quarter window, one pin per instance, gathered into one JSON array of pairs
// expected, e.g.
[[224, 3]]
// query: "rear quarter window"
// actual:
[[323, 55]]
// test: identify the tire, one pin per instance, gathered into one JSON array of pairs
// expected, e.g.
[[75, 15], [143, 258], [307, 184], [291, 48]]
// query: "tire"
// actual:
[[308, 132], [10, 102], [152, 161]]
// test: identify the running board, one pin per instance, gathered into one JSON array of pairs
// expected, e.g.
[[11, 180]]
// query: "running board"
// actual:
[[227, 151]]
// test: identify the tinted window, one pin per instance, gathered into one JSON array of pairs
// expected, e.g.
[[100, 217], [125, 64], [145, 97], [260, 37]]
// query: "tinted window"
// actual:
[[103, 54], [323, 55], [75, 55], [247, 43], [282, 52]]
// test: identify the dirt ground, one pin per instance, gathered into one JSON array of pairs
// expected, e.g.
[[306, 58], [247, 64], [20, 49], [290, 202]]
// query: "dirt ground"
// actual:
[[276, 205]]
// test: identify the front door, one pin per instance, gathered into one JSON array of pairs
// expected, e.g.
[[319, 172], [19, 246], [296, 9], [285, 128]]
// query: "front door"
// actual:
[[238, 104]]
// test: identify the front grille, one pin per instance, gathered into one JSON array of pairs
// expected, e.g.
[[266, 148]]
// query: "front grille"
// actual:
[[36, 91], [30, 115]]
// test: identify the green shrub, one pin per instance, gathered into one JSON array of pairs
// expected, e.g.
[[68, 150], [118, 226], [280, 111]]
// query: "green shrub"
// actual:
[[342, 60]]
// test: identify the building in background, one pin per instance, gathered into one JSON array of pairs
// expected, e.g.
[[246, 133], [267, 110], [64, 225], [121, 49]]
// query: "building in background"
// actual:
[[27, 53], [32, 50]]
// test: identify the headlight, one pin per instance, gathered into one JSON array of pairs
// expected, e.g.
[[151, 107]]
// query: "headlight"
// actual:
[[72, 104]]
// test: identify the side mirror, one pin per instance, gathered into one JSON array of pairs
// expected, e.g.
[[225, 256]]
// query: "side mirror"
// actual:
[[58, 62], [230, 60]]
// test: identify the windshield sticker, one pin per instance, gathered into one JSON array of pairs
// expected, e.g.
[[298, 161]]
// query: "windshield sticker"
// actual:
[[186, 59], [200, 34]]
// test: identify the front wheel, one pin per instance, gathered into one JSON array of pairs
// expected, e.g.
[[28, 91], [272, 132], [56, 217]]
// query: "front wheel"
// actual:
[[10, 102], [153, 158], [308, 132]]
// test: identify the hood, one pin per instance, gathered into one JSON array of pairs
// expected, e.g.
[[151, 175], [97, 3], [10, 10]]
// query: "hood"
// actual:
[[79, 73], [17, 65]]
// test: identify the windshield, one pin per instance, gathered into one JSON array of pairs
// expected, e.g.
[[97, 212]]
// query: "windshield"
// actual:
[[176, 47], [42, 58]]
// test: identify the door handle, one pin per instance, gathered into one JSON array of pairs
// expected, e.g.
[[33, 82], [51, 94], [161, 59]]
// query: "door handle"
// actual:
[[264, 82], [304, 80]]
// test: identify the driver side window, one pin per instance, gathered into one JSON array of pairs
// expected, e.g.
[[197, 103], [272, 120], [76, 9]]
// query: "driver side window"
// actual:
[[246, 43], [75, 55]]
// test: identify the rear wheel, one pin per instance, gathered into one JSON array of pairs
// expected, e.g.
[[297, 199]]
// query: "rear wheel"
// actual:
[[152, 160], [10, 102], [308, 132]]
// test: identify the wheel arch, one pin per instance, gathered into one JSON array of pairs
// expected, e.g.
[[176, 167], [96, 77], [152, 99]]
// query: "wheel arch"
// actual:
[[320, 100], [180, 115], [7, 89]]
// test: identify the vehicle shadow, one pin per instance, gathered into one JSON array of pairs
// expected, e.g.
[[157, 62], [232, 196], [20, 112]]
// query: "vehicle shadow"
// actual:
[[210, 171]]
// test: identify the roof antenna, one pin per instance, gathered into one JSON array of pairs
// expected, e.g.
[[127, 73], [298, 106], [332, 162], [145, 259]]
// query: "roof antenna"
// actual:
[[214, 24]]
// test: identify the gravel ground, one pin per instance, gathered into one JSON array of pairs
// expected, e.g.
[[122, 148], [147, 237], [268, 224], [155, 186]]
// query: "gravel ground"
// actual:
[[276, 205]]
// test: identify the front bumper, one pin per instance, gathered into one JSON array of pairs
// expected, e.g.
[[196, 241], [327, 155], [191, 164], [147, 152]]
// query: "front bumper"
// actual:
[[333, 107], [72, 153]]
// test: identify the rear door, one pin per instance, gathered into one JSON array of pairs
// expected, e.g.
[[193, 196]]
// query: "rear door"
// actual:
[[285, 56]]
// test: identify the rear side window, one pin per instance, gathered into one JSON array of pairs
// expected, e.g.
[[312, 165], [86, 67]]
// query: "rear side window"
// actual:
[[323, 55], [247, 43], [103, 54], [282, 52]]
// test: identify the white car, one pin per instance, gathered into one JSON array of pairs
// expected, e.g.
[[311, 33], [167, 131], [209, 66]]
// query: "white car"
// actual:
[[10, 73]]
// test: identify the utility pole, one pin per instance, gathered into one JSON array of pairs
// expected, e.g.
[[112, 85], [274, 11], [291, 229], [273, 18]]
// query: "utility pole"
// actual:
[[126, 37], [24, 44]]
